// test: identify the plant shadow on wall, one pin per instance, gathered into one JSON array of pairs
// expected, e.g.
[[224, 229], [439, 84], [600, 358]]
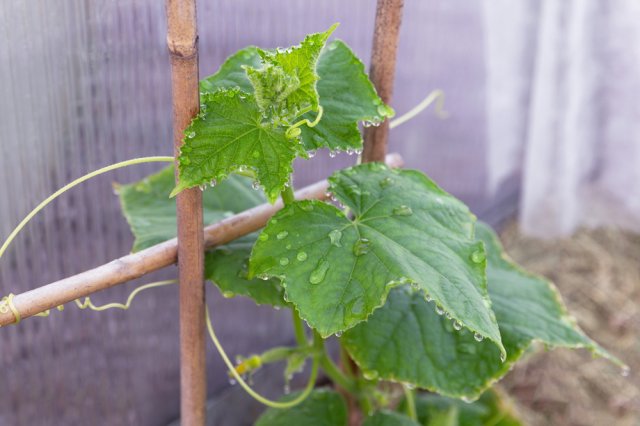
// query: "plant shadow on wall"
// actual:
[[419, 295]]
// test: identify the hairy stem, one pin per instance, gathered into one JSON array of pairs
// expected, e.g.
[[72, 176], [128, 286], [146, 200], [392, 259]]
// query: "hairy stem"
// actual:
[[298, 328], [409, 396]]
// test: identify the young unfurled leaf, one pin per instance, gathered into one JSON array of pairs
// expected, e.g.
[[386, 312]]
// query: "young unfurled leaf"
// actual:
[[151, 214], [322, 407], [405, 229], [407, 341], [152, 217], [347, 97], [286, 84], [344, 89], [229, 136]]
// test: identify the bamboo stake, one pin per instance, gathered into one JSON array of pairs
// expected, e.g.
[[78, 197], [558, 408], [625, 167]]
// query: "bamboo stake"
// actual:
[[382, 72], [152, 259], [182, 41]]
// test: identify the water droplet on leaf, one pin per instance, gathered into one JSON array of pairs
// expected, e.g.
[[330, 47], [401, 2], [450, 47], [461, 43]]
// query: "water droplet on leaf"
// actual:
[[255, 185], [361, 247], [301, 256], [263, 237], [282, 235], [477, 256], [335, 236], [403, 210], [478, 337], [457, 325], [384, 183], [318, 274], [370, 374], [284, 261], [439, 310]]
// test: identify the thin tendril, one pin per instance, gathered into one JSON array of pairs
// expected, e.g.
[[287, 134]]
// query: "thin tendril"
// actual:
[[436, 96], [269, 403], [88, 304], [294, 130], [76, 182]]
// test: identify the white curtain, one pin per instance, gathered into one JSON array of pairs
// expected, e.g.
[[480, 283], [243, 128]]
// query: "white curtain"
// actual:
[[563, 91]]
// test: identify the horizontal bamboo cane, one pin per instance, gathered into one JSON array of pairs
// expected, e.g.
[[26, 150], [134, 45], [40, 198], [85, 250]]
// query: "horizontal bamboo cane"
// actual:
[[153, 258]]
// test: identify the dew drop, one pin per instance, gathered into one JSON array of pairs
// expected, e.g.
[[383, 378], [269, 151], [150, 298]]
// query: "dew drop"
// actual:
[[384, 183], [335, 236], [301, 256], [370, 374], [457, 325], [428, 298], [213, 183], [477, 256], [288, 246], [282, 235], [311, 153], [255, 185], [439, 310], [503, 357], [339, 334], [191, 135], [318, 274], [403, 210], [263, 237], [284, 261], [478, 337], [232, 381], [228, 294], [332, 154], [448, 315], [333, 46], [361, 247], [307, 207], [358, 151]]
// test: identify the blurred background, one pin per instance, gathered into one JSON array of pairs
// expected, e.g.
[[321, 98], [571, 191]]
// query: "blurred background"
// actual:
[[542, 141]]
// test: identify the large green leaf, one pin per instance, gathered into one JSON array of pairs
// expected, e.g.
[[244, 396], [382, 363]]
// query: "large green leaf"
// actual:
[[230, 136], [406, 341], [152, 217], [389, 418], [232, 73], [322, 408], [348, 97], [227, 266], [152, 214], [490, 409], [337, 271], [286, 84]]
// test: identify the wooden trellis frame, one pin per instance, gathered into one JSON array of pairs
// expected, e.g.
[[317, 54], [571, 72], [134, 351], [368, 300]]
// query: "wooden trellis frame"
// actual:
[[188, 248]]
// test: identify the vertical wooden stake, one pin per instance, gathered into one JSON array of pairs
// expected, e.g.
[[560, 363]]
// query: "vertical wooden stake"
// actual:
[[182, 39], [382, 72]]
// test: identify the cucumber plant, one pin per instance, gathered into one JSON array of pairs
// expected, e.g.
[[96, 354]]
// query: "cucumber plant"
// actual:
[[418, 294]]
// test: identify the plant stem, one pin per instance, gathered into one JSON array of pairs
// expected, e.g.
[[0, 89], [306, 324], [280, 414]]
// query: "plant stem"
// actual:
[[332, 370], [287, 194], [409, 396], [298, 328]]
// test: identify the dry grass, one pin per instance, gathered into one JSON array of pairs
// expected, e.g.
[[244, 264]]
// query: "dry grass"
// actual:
[[598, 274]]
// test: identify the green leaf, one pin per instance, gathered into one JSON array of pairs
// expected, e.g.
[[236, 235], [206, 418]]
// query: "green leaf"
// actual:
[[152, 217], [322, 408], [226, 266], [491, 409], [286, 84], [347, 97], [229, 136], [337, 271], [389, 418], [406, 341], [152, 214], [232, 74]]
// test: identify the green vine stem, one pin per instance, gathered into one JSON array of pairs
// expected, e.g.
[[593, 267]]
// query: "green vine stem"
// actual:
[[269, 403], [409, 396], [298, 328]]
